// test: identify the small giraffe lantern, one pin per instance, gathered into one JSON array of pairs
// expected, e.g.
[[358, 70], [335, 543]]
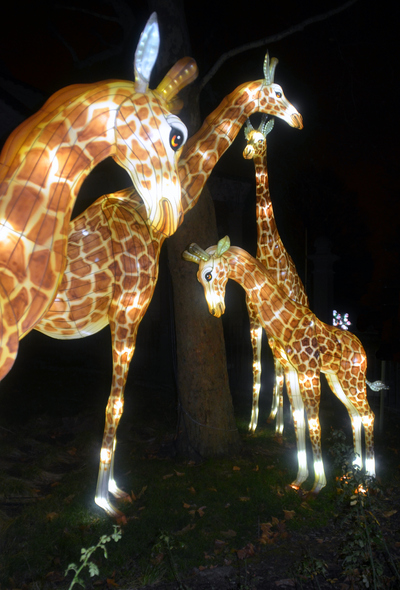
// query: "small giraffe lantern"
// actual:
[[45, 160], [304, 345], [113, 256]]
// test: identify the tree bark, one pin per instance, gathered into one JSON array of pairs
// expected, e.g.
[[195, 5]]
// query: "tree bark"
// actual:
[[206, 419]]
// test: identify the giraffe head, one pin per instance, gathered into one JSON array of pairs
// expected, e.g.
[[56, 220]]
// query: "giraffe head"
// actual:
[[149, 135], [272, 99], [257, 138], [212, 273]]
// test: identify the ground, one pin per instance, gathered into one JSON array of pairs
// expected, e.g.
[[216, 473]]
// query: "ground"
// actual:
[[45, 455]]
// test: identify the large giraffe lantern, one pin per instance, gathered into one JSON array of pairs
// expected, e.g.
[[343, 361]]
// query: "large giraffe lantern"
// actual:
[[272, 254], [304, 345], [45, 160], [113, 256]]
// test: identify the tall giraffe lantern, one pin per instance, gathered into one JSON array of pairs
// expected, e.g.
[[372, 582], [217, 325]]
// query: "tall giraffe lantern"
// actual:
[[272, 254], [304, 345], [45, 160], [116, 287]]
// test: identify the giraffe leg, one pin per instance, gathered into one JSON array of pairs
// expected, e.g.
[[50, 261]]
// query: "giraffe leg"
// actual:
[[310, 387], [360, 413], [256, 339], [297, 405], [278, 397], [122, 356], [9, 342], [105, 480]]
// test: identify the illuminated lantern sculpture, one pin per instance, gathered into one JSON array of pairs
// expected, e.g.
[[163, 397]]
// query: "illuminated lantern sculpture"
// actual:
[[341, 321], [45, 160], [304, 345], [113, 257], [272, 254]]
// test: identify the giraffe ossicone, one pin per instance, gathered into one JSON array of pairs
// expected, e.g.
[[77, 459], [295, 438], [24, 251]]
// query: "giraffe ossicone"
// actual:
[[304, 345], [45, 160], [113, 254]]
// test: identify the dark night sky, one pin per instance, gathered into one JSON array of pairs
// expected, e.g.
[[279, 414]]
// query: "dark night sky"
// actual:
[[335, 178]]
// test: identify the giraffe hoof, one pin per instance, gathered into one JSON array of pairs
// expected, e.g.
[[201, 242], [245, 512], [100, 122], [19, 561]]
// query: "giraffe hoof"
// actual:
[[111, 510]]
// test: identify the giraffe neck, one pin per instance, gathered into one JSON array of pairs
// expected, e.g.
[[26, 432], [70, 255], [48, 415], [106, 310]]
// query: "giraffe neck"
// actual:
[[271, 251], [269, 243], [47, 158], [275, 309], [217, 133]]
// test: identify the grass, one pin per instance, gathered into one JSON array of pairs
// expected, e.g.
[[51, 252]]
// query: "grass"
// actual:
[[198, 515]]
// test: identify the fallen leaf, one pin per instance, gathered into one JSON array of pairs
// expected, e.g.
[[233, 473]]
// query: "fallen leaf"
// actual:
[[192, 490], [168, 475], [187, 505], [111, 582], [218, 543], [201, 510], [139, 495], [256, 468], [247, 551], [244, 498], [212, 489], [178, 473], [236, 468], [389, 513], [289, 514], [157, 559], [186, 529], [51, 516]]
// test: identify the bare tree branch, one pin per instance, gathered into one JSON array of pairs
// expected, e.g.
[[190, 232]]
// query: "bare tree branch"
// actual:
[[271, 39]]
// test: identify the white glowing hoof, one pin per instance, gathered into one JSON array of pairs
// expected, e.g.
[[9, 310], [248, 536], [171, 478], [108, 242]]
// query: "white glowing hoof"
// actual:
[[117, 492], [110, 509]]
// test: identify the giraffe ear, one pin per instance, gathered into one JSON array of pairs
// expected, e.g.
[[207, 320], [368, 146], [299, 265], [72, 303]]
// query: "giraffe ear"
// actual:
[[269, 69], [146, 53], [223, 246], [247, 128]]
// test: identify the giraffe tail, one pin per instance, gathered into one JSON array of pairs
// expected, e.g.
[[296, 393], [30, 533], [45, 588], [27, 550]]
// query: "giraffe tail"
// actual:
[[376, 385]]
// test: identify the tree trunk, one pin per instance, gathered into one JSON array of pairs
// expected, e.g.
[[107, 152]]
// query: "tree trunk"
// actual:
[[206, 419]]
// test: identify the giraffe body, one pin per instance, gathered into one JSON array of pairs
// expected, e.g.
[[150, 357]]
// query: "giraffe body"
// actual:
[[45, 160], [304, 345], [272, 253], [113, 255]]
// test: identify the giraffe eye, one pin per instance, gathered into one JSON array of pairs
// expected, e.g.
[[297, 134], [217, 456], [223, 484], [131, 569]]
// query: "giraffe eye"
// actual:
[[278, 94], [178, 134], [176, 139], [208, 276]]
